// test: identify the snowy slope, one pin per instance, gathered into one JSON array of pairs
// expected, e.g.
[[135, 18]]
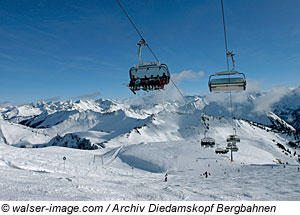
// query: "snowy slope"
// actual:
[[21, 136], [133, 144], [42, 175]]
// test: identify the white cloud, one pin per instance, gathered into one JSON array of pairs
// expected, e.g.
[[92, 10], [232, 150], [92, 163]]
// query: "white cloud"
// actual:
[[88, 96], [237, 97], [52, 99], [220, 97], [7, 103], [187, 74], [169, 94], [265, 102], [254, 85]]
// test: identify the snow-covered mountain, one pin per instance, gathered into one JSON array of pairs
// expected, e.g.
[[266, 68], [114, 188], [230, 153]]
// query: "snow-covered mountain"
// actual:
[[153, 135], [252, 106], [114, 118]]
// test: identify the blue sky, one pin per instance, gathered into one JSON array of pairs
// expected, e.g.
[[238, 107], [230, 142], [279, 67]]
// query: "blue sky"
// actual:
[[53, 48]]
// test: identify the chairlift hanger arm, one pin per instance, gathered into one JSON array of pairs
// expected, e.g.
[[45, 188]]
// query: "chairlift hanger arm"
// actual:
[[231, 54], [141, 44]]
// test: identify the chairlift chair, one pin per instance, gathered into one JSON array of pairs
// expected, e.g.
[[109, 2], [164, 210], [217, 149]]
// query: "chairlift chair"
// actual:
[[233, 138], [228, 146], [235, 149], [232, 146], [235, 81], [207, 141], [221, 151], [148, 69]]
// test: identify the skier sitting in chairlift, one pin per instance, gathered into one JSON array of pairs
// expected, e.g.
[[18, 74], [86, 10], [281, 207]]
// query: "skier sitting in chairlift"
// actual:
[[163, 80], [132, 83], [157, 82], [151, 82], [145, 82], [137, 83]]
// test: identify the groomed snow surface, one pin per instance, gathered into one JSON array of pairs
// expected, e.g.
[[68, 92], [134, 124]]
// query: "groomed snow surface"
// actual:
[[137, 173], [135, 148]]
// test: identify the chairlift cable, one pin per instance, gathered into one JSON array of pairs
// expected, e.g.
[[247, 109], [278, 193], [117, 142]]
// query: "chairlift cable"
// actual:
[[225, 37], [152, 52], [136, 29], [226, 49], [130, 19], [186, 102]]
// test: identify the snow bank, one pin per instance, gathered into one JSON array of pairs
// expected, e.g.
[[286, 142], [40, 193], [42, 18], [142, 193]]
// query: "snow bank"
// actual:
[[148, 157]]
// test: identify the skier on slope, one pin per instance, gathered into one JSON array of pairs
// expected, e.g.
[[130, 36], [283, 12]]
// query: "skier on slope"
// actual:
[[206, 174]]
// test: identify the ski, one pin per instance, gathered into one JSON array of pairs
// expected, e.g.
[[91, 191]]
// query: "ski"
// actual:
[[131, 89]]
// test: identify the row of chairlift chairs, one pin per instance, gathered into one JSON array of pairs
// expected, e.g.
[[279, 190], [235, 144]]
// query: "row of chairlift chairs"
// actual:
[[235, 81], [231, 144], [231, 80]]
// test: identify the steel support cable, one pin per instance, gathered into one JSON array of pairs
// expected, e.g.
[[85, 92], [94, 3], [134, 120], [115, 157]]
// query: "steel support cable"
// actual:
[[225, 37], [152, 52], [129, 19], [136, 29], [186, 102], [226, 49]]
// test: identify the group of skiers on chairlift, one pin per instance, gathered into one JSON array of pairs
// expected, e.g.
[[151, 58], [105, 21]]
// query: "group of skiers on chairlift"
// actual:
[[152, 83]]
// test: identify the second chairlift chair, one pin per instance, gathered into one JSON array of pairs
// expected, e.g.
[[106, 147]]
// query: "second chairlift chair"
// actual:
[[235, 81]]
